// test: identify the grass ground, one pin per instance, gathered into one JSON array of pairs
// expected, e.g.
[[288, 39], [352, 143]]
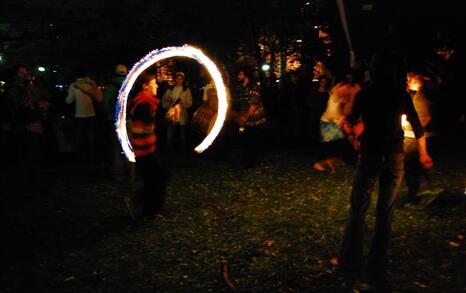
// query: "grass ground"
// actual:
[[272, 228]]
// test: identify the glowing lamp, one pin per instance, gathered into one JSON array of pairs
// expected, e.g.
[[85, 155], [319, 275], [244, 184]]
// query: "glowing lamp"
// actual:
[[265, 67]]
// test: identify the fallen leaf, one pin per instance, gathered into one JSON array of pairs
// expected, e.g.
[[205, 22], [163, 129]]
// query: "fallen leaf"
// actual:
[[421, 285], [226, 276], [334, 262], [69, 279], [269, 242]]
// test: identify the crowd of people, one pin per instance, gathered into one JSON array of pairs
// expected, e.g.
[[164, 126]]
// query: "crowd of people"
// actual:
[[357, 117]]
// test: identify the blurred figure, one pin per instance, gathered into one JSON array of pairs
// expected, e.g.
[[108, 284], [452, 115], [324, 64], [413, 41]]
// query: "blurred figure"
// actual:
[[247, 103], [334, 145], [417, 178], [111, 90], [25, 101], [85, 94], [271, 97], [110, 95], [317, 103], [293, 103], [177, 100]]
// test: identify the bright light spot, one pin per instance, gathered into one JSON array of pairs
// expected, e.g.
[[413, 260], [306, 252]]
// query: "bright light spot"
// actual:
[[404, 122], [308, 3], [1, 58], [54, 71], [316, 26], [149, 60], [266, 67], [299, 41], [41, 68]]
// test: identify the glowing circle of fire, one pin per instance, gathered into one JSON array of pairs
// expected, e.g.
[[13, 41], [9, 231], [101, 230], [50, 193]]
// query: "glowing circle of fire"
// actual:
[[149, 60]]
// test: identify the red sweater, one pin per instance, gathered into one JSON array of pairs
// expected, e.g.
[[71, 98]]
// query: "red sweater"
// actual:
[[142, 111]]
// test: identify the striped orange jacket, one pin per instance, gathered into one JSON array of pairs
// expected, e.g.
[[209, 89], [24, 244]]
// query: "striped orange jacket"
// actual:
[[142, 111]]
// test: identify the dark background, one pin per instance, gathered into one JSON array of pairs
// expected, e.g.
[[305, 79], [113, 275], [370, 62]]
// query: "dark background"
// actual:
[[66, 34]]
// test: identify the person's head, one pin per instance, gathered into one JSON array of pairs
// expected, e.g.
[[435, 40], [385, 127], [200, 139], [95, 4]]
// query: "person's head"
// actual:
[[385, 68], [121, 70], [179, 78], [22, 73], [323, 83], [147, 83], [245, 75], [414, 81]]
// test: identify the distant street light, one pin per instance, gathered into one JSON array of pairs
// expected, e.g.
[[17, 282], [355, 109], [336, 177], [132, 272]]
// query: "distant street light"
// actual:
[[265, 67], [41, 68]]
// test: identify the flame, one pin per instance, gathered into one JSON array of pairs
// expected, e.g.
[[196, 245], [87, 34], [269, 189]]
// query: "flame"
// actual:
[[149, 60]]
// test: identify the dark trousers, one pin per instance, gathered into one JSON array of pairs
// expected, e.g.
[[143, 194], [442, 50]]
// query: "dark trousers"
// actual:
[[177, 136], [86, 137], [154, 176], [29, 158], [250, 143], [388, 169]]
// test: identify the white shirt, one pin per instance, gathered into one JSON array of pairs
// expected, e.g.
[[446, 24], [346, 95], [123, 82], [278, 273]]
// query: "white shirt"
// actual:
[[84, 105], [186, 100]]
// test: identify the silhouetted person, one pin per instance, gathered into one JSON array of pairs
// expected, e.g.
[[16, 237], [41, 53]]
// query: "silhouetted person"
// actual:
[[112, 146], [247, 103], [418, 178], [85, 94], [380, 105], [24, 99], [178, 100]]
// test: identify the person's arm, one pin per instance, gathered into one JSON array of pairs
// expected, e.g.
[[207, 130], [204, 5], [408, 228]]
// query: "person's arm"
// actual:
[[354, 114], [142, 113], [424, 157], [167, 99], [71, 96], [98, 94], [413, 118], [186, 99], [212, 99], [254, 101]]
